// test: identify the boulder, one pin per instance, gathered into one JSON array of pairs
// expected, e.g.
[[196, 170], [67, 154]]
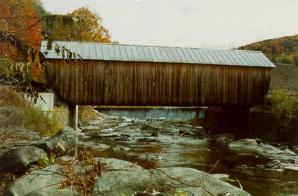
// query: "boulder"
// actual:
[[224, 138], [274, 164], [60, 192], [11, 117], [61, 143], [94, 146], [166, 181], [43, 182], [291, 170], [19, 158], [119, 148], [253, 147], [111, 164], [244, 146], [147, 140]]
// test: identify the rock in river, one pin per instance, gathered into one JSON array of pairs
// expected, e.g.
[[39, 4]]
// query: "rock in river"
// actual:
[[62, 142], [116, 164], [43, 182], [252, 147], [185, 181], [19, 158]]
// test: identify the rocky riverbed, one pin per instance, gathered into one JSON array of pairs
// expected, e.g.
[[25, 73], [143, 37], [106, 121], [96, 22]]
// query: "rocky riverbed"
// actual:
[[147, 157], [257, 167]]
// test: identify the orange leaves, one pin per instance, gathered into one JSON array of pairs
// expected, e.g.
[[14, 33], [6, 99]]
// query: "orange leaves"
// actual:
[[19, 18], [88, 27], [277, 49]]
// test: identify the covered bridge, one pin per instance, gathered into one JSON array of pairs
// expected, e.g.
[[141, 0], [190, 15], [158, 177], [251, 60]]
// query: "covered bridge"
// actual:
[[131, 75]]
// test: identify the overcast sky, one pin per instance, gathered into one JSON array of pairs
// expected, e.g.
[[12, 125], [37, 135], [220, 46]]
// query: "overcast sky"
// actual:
[[190, 23]]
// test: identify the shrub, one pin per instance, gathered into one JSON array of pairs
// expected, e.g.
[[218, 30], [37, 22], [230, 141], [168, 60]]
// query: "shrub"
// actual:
[[283, 58], [283, 106], [9, 97], [44, 123], [296, 60]]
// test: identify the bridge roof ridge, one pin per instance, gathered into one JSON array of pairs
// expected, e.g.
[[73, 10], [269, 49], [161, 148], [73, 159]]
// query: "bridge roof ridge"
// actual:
[[167, 54]]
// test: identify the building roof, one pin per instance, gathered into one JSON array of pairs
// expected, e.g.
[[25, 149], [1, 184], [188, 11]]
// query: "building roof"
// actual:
[[160, 54]]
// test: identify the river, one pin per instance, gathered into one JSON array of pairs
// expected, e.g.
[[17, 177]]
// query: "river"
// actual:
[[153, 143]]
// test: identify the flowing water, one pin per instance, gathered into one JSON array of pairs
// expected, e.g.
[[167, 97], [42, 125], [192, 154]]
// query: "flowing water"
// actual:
[[167, 143]]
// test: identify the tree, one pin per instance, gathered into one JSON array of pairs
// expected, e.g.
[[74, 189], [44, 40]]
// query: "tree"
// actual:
[[296, 59], [283, 58], [20, 18], [87, 27]]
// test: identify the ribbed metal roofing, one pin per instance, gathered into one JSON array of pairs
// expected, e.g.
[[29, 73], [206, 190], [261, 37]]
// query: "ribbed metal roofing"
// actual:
[[137, 53]]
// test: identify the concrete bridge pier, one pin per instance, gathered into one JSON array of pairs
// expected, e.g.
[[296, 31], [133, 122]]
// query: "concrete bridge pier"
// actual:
[[73, 117], [73, 120]]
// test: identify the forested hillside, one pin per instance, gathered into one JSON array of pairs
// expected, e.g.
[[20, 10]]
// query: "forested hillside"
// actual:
[[279, 50]]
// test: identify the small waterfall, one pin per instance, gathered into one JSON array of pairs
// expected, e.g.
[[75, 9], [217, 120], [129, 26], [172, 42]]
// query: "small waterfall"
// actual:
[[167, 113]]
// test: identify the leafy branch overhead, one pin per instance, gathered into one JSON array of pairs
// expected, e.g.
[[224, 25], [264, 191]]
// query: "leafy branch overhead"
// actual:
[[61, 50], [24, 24], [18, 75]]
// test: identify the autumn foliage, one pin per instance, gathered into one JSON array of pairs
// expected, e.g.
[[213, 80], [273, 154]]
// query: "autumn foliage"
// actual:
[[20, 18], [83, 25], [279, 50]]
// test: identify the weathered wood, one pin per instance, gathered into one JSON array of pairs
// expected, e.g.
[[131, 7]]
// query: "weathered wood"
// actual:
[[157, 84]]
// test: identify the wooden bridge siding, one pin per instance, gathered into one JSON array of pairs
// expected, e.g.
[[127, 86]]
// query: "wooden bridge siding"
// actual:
[[156, 84]]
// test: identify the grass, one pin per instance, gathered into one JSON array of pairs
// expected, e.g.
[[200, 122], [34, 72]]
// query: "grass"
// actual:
[[44, 123]]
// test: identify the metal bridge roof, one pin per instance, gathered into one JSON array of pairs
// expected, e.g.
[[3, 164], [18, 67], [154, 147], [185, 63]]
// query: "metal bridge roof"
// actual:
[[138, 53]]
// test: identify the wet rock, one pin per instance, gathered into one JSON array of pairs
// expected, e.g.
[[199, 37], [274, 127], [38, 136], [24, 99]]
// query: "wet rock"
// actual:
[[61, 143], [11, 117], [274, 164], [40, 182], [34, 193], [151, 156], [223, 139], [147, 140], [94, 146], [124, 124], [186, 132], [20, 158], [244, 146], [122, 139], [120, 148], [146, 127], [60, 192], [291, 170], [116, 164], [168, 181], [155, 133], [107, 135], [259, 171], [253, 147], [65, 158], [295, 150], [221, 176]]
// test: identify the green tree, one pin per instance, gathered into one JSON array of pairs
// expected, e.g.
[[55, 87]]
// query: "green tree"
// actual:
[[283, 106], [283, 58]]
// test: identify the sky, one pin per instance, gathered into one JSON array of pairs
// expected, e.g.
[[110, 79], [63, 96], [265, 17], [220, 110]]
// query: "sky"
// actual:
[[220, 24]]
